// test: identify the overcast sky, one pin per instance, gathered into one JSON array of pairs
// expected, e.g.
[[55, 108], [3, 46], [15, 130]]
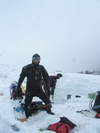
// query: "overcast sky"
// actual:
[[66, 33]]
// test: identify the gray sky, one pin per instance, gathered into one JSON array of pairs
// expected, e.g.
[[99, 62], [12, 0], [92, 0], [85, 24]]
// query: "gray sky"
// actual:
[[66, 33]]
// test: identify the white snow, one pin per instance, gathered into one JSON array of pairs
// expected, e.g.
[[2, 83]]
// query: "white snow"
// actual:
[[70, 83]]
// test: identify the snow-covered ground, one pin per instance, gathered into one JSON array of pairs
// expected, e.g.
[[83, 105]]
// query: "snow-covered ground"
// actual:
[[70, 83]]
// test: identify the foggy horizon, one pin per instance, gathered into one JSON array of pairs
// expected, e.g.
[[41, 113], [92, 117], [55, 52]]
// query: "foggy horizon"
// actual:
[[66, 34]]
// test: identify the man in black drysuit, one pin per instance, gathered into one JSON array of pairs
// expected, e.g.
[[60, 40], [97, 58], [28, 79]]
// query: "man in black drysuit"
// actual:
[[34, 73], [52, 80]]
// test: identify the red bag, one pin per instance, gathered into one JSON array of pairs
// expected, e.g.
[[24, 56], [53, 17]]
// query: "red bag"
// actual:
[[63, 126]]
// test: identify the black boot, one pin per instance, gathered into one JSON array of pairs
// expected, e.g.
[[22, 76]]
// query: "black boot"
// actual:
[[48, 109]]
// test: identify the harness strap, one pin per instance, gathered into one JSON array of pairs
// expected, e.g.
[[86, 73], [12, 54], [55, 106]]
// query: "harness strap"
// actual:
[[66, 129], [58, 127], [61, 125]]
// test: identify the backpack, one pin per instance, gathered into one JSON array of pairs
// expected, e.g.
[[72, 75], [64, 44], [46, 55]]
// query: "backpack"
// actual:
[[95, 102], [63, 126]]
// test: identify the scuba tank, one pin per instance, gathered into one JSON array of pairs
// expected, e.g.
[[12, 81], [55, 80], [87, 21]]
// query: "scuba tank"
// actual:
[[13, 90]]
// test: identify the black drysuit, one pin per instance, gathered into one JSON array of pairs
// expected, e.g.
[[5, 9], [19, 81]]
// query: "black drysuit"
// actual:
[[34, 74]]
